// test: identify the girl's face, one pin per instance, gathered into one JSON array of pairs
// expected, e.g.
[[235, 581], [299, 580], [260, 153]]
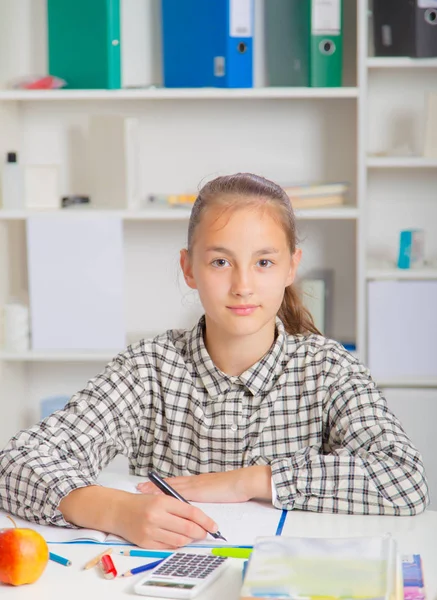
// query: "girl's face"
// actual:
[[240, 265]]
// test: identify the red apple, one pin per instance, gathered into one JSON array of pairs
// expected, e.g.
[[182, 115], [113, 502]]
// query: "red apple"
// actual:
[[23, 556]]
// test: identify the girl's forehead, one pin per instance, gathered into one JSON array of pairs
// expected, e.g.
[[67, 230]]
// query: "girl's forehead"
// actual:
[[223, 219]]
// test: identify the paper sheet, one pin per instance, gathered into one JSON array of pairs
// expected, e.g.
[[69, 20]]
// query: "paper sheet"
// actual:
[[239, 523]]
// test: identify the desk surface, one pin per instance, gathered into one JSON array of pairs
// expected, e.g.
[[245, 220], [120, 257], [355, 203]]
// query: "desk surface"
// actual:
[[413, 534]]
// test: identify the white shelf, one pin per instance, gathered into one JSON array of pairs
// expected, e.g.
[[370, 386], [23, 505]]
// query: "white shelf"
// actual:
[[401, 162], [404, 274], [343, 213], [408, 383], [400, 62], [179, 94], [167, 214]]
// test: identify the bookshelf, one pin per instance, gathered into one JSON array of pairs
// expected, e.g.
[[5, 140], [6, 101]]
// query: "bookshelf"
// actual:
[[188, 135]]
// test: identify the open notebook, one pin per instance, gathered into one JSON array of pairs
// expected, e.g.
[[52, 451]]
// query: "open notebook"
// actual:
[[239, 523]]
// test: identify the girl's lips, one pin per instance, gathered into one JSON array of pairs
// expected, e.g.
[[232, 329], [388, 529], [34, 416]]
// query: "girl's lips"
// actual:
[[243, 310]]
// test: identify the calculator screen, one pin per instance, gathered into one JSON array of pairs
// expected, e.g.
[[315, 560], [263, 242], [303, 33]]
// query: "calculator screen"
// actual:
[[170, 584]]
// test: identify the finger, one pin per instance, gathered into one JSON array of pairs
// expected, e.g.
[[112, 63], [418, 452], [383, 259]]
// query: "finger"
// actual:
[[183, 531], [191, 513], [148, 488]]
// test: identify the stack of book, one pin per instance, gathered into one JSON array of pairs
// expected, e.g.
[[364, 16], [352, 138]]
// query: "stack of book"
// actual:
[[308, 195], [317, 195]]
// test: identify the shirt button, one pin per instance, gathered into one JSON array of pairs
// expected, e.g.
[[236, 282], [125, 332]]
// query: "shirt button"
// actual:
[[234, 427]]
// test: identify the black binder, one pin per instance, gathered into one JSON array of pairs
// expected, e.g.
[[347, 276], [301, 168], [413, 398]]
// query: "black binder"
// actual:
[[405, 28]]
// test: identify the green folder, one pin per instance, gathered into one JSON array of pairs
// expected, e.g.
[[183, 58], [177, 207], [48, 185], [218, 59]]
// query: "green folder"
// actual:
[[326, 50], [84, 42], [300, 52]]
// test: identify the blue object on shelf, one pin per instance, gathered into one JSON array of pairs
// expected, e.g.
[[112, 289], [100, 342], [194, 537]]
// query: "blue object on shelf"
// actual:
[[349, 347], [411, 248], [207, 44], [52, 403]]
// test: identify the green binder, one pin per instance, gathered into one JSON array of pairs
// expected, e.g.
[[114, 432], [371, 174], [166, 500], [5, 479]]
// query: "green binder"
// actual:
[[287, 26], [304, 42], [84, 42], [326, 50]]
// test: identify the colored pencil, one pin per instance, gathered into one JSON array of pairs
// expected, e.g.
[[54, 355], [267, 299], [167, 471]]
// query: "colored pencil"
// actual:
[[143, 568], [93, 562], [146, 553], [59, 559]]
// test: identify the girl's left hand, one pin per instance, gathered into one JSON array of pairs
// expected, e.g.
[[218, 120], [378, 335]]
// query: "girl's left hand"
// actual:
[[239, 485]]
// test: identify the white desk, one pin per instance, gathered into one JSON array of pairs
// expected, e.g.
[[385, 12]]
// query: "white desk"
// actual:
[[414, 535]]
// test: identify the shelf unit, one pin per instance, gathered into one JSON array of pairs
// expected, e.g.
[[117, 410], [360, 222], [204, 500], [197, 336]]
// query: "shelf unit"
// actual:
[[404, 275], [188, 135], [400, 62], [401, 162], [171, 214], [266, 93]]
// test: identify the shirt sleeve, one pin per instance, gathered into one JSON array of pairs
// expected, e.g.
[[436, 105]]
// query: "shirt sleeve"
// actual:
[[367, 464], [68, 449]]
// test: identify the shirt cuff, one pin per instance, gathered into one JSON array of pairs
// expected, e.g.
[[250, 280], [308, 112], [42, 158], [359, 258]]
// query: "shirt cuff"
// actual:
[[274, 492]]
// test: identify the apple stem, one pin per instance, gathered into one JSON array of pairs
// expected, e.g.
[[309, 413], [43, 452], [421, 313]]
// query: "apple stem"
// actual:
[[11, 519]]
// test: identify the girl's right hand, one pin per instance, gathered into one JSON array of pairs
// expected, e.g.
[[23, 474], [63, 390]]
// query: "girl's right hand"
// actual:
[[152, 521]]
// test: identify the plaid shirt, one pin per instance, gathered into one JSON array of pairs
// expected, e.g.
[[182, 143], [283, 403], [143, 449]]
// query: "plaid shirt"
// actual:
[[308, 409]]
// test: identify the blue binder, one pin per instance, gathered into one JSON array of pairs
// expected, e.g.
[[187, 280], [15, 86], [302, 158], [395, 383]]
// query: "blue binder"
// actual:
[[208, 44]]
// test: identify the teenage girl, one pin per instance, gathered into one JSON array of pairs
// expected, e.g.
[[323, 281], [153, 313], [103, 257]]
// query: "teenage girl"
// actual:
[[251, 403]]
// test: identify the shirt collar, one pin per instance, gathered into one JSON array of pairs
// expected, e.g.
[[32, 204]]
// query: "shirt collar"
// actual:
[[259, 378]]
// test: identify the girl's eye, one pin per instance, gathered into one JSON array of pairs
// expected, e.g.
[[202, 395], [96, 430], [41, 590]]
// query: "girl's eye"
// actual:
[[220, 262], [265, 262]]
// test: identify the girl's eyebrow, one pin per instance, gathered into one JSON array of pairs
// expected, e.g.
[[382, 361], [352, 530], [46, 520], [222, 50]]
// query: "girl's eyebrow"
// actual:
[[223, 250]]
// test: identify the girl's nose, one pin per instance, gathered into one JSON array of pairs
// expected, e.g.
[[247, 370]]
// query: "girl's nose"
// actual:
[[242, 285]]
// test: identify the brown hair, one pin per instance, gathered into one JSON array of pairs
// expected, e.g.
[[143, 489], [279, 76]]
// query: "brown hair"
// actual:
[[253, 189]]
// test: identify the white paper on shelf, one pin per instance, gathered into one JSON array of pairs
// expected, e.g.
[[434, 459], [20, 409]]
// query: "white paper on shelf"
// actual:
[[402, 326], [76, 267]]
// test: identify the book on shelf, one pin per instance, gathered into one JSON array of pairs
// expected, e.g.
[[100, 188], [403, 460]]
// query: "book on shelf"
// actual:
[[354, 568], [305, 190], [317, 195], [309, 195], [316, 201]]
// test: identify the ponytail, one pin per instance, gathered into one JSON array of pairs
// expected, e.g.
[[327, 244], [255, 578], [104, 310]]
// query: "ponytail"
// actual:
[[296, 318]]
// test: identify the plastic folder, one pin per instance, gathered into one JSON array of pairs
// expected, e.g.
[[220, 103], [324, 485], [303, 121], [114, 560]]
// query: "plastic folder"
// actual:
[[304, 42], [405, 28], [334, 568], [326, 43], [84, 42], [208, 44]]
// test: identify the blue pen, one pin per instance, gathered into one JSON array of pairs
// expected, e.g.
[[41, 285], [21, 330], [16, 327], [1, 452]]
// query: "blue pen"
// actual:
[[143, 568], [146, 553], [59, 559]]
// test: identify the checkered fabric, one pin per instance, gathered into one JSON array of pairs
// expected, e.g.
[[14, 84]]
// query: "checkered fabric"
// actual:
[[308, 409]]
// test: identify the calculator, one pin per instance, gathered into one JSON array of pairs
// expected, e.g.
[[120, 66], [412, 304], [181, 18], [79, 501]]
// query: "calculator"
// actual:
[[181, 575]]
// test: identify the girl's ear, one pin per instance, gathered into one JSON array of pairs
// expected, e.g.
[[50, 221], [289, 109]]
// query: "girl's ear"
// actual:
[[294, 264], [186, 269]]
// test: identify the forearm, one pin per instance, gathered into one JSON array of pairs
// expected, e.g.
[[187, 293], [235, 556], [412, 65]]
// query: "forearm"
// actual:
[[94, 507], [258, 482], [343, 482], [33, 482]]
